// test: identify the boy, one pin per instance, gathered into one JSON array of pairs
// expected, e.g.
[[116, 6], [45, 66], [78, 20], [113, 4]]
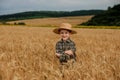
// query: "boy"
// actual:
[[65, 48]]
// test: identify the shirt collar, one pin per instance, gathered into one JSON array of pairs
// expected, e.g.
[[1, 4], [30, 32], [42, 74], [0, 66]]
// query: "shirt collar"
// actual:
[[68, 40]]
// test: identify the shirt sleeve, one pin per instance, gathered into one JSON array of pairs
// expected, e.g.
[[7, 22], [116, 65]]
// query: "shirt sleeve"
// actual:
[[73, 47], [59, 48]]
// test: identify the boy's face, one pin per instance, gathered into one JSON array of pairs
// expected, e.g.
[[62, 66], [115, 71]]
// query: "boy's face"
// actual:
[[65, 34]]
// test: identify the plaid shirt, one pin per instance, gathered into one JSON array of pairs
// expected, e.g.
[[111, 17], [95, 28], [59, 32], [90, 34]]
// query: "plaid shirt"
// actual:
[[62, 46]]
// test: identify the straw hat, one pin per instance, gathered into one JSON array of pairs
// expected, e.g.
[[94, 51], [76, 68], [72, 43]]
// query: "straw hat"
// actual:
[[64, 26]]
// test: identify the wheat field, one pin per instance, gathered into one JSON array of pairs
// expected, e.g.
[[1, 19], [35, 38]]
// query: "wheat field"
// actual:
[[28, 53]]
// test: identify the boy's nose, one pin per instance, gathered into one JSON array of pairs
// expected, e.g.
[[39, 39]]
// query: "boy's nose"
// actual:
[[64, 34]]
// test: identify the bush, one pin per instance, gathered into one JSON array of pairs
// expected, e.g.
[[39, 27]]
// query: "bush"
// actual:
[[21, 23], [15, 23]]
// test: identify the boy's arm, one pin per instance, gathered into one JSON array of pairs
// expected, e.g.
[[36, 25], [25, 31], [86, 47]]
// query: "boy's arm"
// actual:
[[72, 49], [59, 51], [58, 55]]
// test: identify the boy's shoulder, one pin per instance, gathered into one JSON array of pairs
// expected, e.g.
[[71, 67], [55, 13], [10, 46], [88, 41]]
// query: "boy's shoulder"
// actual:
[[60, 41], [71, 42]]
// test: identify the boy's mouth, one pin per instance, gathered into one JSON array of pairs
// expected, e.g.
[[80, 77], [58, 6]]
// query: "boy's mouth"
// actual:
[[64, 37]]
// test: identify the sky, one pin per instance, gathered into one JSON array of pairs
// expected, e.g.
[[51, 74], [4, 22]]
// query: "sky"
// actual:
[[15, 6]]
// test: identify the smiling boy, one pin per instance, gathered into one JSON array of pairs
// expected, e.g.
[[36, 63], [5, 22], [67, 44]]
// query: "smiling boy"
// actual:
[[65, 48]]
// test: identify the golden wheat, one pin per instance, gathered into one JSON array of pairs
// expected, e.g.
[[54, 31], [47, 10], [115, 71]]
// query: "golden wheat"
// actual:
[[27, 53]]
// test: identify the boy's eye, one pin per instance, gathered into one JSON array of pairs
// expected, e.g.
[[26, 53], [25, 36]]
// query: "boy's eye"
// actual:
[[63, 32]]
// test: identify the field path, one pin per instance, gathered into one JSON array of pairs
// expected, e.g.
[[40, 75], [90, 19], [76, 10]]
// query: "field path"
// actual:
[[54, 21]]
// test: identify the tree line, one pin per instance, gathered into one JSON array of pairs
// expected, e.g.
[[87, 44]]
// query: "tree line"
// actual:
[[110, 17], [47, 14]]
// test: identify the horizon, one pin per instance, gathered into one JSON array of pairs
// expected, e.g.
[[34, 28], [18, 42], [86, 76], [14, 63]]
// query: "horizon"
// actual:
[[47, 10], [17, 6]]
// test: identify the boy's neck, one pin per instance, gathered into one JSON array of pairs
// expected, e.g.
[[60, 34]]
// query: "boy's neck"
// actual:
[[65, 40]]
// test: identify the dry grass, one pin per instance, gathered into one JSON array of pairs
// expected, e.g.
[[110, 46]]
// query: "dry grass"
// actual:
[[54, 21], [27, 53]]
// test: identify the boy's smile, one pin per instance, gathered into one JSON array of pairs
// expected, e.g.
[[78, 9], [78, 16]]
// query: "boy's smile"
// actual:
[[65, 34]]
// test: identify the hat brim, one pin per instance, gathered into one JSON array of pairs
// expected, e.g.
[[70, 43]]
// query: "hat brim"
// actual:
[[57, 30]]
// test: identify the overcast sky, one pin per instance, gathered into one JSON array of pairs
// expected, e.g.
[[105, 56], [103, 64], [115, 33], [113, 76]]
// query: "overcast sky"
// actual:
[[14, 6]]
